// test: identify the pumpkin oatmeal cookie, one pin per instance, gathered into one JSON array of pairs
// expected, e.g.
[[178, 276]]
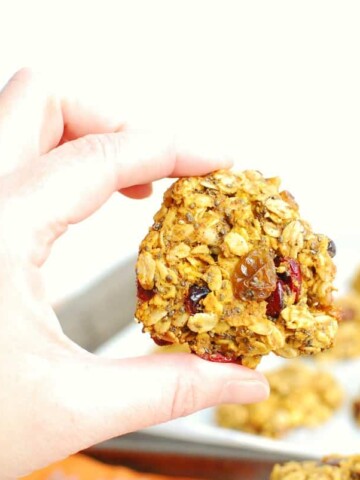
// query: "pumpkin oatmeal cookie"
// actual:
[[330, 468], [231, 268], [299, 397], [173, 348]]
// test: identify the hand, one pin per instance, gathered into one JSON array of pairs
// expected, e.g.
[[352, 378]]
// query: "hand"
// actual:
[[58, 164]]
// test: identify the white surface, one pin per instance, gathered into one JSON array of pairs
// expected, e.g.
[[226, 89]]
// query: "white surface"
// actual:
[[275, 85], [339, 435]]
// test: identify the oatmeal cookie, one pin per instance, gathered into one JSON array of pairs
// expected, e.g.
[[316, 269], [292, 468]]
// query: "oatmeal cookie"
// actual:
[[330, 468], [347, 340], [299, 397], [230, 268], [173, 348]]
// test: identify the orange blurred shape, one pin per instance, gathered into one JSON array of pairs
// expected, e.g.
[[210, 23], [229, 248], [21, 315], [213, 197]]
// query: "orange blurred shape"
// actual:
[[80, 467]]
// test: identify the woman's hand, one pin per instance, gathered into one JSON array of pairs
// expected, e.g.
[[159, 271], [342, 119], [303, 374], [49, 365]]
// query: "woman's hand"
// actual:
[[58, 164]]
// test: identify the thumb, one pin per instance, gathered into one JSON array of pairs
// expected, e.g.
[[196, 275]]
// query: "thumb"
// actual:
[[104, 398], [80, 400]]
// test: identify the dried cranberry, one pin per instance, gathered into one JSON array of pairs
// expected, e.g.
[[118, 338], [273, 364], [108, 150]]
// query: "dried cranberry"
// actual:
[[161, 342], [219, 358], [331, 248], [195, 295], [144, 295], [275, 303], [277, 261], [292, 275], [295, 278], [254, 277]]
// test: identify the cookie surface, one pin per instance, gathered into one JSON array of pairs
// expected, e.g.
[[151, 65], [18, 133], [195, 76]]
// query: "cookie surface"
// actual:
[[299, 397], [330, 468], [230, 268]]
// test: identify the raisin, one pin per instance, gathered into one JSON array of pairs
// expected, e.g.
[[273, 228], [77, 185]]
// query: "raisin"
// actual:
[[157, 226], [275, 303], [196, 293], [144, 295], [254, 277], [220, 358], [292, 275], [161, 342], [331, 248]]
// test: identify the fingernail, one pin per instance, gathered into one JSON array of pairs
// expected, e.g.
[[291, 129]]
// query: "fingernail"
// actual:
[[247, 391]]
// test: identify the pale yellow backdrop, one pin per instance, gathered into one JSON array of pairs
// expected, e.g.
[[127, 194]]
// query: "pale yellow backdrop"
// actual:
[[274, 84]]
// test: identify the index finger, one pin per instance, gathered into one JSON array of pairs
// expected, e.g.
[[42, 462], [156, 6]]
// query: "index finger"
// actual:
[[74, 180], [35, 119]]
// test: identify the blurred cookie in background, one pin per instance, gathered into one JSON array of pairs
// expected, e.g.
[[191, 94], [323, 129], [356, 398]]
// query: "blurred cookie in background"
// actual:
[[333, 467], [300, 396]]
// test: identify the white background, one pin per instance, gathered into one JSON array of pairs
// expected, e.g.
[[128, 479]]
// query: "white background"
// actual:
[[273, 84]]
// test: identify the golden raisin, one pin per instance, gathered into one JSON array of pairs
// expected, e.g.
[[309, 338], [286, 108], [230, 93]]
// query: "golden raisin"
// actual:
[[254, 277]]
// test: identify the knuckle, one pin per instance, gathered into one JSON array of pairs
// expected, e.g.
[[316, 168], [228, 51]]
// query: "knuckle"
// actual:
[[102, 146], [187, 394], [185, 399]]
